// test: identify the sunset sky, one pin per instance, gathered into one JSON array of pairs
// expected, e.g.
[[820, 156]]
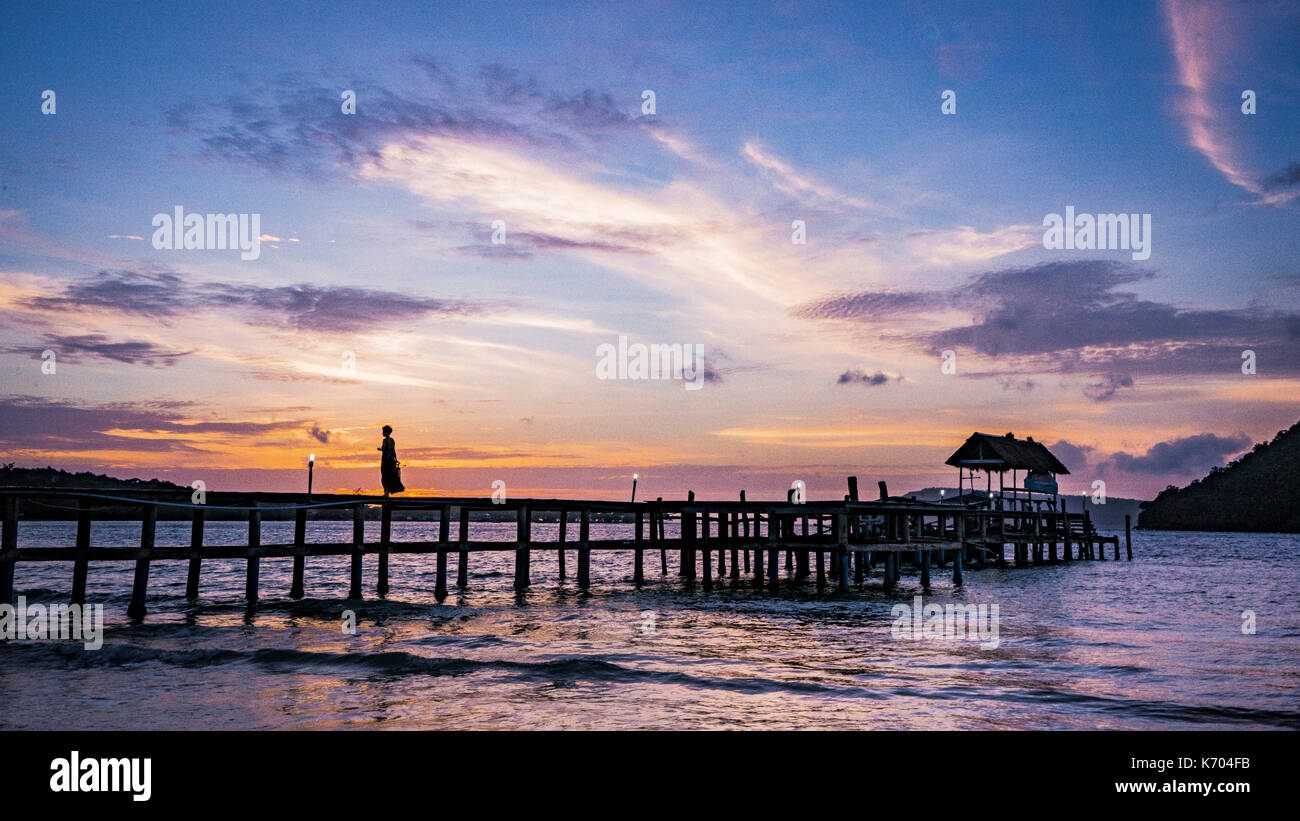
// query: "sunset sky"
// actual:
[[924, 234]]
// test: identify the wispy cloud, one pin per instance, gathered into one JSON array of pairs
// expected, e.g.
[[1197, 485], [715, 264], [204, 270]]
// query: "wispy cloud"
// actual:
[[1201, 31]]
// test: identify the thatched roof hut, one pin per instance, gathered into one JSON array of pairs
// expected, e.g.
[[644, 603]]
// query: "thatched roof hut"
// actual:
[[997, 454]]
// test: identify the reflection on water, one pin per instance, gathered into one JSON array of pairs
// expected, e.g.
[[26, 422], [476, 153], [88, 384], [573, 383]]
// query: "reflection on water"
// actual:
[[1155, 643]]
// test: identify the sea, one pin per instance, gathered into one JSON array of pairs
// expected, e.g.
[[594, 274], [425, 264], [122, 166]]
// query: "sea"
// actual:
[[1198, 631]]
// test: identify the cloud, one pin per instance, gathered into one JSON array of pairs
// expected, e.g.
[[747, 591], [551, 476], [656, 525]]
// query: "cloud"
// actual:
[[965, 245], [1075, 457], [296, 125], [789, 181], [1107, 387], [1075, 316], [1188, 455], [325, 308], [870, 306], [1202, 33], [31, 424], [98, 346], [857, 376], [322, 436], [1286, 178], [131, 292]]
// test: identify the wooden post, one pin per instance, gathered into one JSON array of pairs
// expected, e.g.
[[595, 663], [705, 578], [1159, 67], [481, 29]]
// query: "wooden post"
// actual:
[[299, 546], [773, 557], [462, 559], [722, 535], [385, 539], [663, 549], [802, 556], [564, 528], [1051, 556], [8, 549], [584, 549], [1039, 521], [1066, 550], [139, 589], [787, 533], [734, 519], [744, 526], [891, 567], [687, 540], [960, 553], [82, 565], [853, 488], [254, 559], [706, 554], [842, 551], [1096, 545], [821, 570], [653, 521], [925, 569], [444, 540], [1128, 536], [358, 544], [523, 534], [638, 571]]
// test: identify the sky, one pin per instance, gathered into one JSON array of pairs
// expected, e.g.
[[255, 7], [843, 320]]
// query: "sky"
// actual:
[[867, 277]]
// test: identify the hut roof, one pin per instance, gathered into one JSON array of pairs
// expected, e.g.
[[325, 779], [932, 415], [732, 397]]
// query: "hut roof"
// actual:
[[984, 451]]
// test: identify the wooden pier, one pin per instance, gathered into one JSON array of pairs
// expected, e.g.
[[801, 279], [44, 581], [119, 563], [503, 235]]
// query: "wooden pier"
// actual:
[[829, 544]]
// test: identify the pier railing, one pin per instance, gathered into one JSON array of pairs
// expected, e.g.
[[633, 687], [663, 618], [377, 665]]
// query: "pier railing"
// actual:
[[823, 542]]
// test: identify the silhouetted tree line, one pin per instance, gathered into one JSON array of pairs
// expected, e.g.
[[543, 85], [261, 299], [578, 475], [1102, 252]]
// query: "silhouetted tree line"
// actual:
[[1258, 491]]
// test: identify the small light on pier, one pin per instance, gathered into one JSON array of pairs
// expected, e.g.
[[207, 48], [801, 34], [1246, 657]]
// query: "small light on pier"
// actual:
[[311, 465], [634, 487]]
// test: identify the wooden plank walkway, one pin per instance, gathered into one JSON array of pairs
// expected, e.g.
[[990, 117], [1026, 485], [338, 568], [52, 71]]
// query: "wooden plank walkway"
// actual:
[[833, 541]]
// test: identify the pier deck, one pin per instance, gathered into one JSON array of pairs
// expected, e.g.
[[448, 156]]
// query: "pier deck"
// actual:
[[831, 541]]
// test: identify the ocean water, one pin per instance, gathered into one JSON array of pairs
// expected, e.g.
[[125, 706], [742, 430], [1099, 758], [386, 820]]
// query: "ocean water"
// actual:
[[1156, 643]]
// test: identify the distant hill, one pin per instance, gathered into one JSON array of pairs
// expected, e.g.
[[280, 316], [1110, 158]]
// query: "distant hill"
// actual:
[[1258, 492], [1108, 516], [54, 479]]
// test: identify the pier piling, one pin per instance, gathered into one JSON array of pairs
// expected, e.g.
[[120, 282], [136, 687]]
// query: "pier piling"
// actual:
[[140, 586], [82, 565]]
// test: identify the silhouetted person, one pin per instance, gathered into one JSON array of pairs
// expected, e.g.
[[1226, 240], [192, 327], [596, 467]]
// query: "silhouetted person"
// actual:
[[389, 472]]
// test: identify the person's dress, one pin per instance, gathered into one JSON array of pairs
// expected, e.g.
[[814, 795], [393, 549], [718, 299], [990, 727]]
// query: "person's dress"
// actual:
[[389, 472]]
